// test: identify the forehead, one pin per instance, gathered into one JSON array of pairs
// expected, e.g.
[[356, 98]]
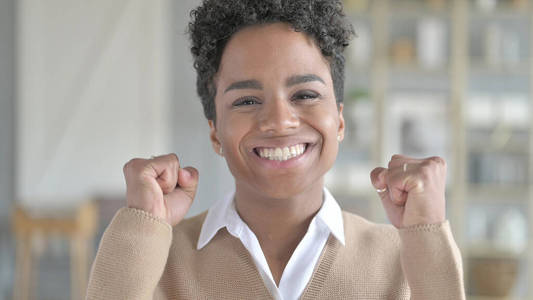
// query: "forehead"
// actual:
[[271, 51]]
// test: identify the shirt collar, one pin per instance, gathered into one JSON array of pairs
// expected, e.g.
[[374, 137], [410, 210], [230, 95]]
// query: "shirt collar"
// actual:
[[331, 215], [223, 214]]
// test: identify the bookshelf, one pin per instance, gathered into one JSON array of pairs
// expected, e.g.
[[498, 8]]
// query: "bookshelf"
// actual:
[[460, 70]]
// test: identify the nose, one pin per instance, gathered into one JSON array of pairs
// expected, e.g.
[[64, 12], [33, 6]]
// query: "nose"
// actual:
[[278, 116]]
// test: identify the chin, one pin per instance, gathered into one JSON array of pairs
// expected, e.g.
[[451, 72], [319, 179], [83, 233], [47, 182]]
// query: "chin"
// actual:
[[285, 189]]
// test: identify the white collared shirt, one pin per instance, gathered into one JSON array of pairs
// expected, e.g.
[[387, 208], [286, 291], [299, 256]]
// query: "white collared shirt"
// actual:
[[300, 267]]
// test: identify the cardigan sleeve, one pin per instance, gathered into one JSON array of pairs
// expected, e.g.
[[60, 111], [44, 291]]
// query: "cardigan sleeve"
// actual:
[[431, 262], [131, 257]]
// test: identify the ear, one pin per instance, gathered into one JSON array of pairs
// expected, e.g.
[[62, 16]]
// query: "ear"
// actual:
[[340, 131], [215, 143]]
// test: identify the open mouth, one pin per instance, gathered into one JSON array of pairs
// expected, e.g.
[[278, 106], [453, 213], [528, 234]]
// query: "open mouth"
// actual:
[[281, 154]]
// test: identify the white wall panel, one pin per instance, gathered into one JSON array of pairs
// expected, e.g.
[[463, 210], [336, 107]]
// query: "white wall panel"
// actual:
[[7, 120], [93, 89]]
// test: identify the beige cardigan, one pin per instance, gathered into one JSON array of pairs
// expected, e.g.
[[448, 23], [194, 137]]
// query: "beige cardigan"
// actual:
[[141, 257]]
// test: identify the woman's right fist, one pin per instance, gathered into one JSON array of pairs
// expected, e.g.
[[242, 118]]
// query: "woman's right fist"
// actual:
[[160, 187]]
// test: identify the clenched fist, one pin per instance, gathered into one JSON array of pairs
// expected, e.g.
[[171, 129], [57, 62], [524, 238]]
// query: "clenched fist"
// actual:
[[412, 190], [160, 187]]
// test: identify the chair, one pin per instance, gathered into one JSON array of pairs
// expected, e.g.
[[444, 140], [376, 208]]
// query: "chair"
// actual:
[[78, 225]]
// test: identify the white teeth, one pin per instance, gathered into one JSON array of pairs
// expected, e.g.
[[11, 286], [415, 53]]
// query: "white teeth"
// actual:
[[293, 151], [281, 154], [286, 153], [278, 153]]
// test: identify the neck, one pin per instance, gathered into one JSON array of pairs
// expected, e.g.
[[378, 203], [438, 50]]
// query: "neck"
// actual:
[[279, 224]]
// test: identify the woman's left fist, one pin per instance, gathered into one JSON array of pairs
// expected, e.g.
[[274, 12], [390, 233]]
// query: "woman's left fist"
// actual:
[[412, 190]]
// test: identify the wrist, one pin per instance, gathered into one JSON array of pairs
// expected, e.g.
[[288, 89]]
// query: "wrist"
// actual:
[[420, 222], [152, 211]]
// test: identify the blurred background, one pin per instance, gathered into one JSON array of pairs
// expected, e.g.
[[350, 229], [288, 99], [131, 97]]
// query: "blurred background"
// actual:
[[87, 85]]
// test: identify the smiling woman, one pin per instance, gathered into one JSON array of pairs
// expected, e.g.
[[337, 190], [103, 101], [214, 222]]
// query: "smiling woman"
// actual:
[[270, 77], [278, 93]]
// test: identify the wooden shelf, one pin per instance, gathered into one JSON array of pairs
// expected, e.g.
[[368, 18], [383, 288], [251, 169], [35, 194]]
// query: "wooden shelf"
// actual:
[[471, 297], [417, 12], [480, 68], [465, 69], [418, 9], [486, 250], [360, 16], [498, 194], [501, 12], [419, 69], [512, 148]]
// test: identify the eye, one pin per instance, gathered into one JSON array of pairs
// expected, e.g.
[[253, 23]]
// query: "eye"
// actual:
[[245, 101], [305, 95]]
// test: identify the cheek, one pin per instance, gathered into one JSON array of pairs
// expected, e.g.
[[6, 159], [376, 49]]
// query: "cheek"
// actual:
[[233, 129], [328, 125]]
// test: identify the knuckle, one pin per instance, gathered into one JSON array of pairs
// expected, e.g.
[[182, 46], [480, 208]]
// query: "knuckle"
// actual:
[[130, 165], [438, 160], [428, 163], [442, 162], [374, 175], [174, 158], [426, 170], [436, 163], [166, 185], [439, 164], [420, 186]]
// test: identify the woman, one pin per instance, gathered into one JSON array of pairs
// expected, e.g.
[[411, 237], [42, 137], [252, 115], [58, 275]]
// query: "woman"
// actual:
[[270, 77]]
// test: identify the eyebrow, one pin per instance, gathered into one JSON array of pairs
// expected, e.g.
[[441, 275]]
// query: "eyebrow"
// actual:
[[297, 79], [256, 85], [245, 84]]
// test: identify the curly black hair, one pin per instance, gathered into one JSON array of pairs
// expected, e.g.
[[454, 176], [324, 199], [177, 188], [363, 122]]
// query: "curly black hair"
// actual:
[[215, 21]]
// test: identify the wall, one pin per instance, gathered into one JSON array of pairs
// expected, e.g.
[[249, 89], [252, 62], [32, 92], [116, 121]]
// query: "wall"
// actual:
[[92, 92], [190, 132], [101, 82], [7, 73]]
